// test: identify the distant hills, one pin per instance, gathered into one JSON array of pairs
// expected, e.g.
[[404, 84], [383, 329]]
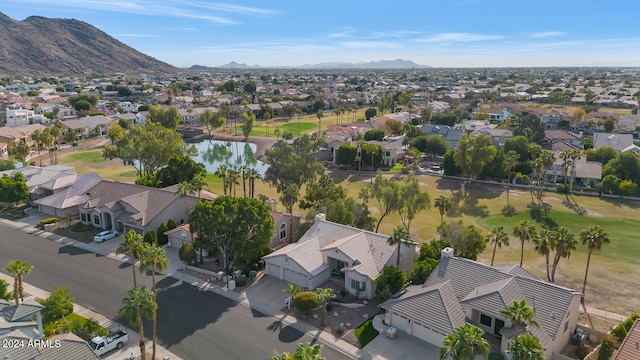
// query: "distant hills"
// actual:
[[381, 64], [44, 46]]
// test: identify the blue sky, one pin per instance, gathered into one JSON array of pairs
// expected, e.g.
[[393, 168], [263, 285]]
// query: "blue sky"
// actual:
[[442, 33]]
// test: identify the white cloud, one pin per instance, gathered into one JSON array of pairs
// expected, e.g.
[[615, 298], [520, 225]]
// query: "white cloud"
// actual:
[[368, 44], [459, 37], [546, 34]]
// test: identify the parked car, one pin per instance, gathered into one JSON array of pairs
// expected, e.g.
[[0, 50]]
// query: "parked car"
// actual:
[[101, 345], [105, 235]]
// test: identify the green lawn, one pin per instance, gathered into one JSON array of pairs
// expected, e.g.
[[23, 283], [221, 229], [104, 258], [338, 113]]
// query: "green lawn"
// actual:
[[74, 323], [365, 333], [624, 246], [261, 130], [90, 156], [396, 168]]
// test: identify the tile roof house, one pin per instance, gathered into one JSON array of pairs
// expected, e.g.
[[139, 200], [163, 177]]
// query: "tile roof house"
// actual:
[[581, 172], [498, 136], [59, 347], [452, 136], [44, 181], [20, 317], [461, 290], [617, 141], [630, 347], [114, 205], [566, 136], [329, 249]]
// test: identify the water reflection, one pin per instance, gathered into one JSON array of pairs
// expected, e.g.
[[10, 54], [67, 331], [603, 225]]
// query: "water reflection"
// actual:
[[213, 153]]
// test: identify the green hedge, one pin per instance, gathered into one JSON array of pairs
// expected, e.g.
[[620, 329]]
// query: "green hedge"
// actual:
[[51, 220]]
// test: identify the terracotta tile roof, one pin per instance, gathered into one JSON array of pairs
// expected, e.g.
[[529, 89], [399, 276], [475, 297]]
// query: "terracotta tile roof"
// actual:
[[630, 347]]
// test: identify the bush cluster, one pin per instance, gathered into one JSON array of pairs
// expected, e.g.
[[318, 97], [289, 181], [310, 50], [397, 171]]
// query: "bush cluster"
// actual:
[[305, 301], [51, 220]]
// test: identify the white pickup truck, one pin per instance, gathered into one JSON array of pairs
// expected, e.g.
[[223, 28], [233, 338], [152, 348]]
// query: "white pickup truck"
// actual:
[[103, 344]]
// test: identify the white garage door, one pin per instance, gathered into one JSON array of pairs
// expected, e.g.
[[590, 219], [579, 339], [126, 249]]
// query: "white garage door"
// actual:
[[428, 335], [274, 270], [296, 278], [400, 322]]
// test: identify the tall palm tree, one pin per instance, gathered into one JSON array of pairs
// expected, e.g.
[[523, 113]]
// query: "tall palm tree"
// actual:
[[222, 173], [56, 132], [510, 159], [526, 347], [19, 269], [498, 237], [595, 238], [564, 243], [243, 174], [36, 136], [252, 174], [197, 184], [138, 303], [443, 203], [543, 245], [319, 115], [154, 259], [525, 231], [324, 297], [184, 188], [400, 236], [47, 139], [465, 343], [232, 178], [520, 315], [132, 244]]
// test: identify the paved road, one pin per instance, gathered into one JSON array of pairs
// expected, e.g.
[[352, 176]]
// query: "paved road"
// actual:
[[193, 324]]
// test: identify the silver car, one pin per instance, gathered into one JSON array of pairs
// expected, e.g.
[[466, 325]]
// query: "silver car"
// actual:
[[105, 235]]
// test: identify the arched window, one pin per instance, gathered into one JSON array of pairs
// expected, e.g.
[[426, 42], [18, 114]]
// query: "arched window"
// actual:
[[283, 232]]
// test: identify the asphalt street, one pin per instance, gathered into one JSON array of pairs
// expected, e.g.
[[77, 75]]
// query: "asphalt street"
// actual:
[[193, 324]]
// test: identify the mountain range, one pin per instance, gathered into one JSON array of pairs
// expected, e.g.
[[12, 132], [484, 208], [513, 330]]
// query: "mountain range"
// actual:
[[381, 64], [48, 47]]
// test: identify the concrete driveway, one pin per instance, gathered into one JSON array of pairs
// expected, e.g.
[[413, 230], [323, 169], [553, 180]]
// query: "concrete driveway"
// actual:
[[404, 347]]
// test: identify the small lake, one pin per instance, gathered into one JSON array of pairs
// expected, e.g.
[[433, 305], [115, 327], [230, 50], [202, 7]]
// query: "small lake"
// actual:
[[213, 153]]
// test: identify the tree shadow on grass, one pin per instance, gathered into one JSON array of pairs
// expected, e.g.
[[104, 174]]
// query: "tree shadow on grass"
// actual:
[[453, 185], [540, 214], [617, 202], [571, 203], [461, 205]]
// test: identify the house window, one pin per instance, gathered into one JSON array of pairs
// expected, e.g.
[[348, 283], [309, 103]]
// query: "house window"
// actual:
[[485, 320], [84, 217], [387, 153], [566, 326], [361, 285], [283, 232], [96, 219]]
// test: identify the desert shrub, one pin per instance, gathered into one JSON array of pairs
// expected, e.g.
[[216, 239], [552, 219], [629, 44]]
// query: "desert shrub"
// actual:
[[241, 280], [253, 274], [5, 294], [582, 351], [151, 237], [162, 238], [606, 348], [287, 135], [171, 224], [51, 220], [620, 331], [305, 301], [187, 253]]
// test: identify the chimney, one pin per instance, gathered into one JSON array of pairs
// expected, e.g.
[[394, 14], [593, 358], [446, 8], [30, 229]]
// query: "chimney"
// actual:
[[446, 252], [272, 204], [321, 217]]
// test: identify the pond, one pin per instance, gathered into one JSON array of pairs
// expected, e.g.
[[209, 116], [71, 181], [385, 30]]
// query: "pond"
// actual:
[[213, 153]]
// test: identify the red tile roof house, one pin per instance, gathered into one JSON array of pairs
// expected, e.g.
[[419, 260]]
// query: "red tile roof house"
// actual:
[[461, 290], [630, 347], [329, 249]]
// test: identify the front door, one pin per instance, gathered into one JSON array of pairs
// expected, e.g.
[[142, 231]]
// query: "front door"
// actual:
[[498, 327]]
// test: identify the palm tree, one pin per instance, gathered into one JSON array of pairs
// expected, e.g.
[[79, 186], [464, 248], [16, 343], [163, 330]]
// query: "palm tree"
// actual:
[[510, 159], [184, 188], [232, 178], [293, 290], [47, 139], [498, 237], [133, 245], [338, 112], [252, 174], [197, 184], [36, 136], [222, 173], [520, 315], [400, 236], [19, 269], [319, 115], [526, 347], [56, 131], [525, 231], [154, 259], [443, 203], [564, 243], [243, 174], [544, 244], [138, 303], [465, 343], [324, 297], [594, 237]]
